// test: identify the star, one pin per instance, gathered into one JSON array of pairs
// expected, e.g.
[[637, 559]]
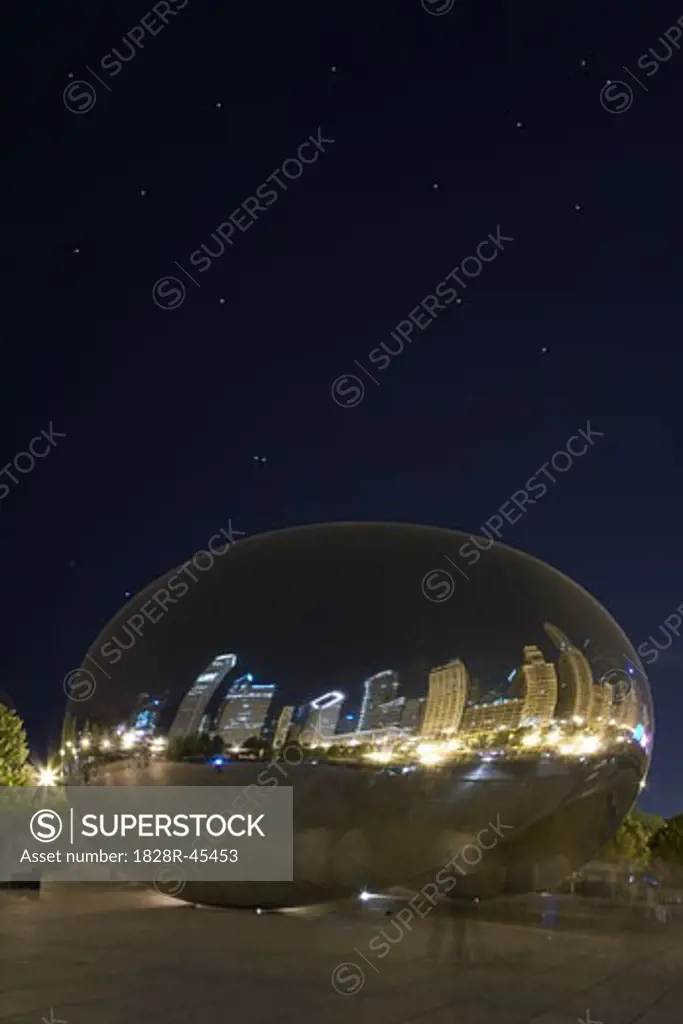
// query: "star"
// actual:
[[72, 565], [70, 75], [577, 207], [127, 593], [580, 1020], [143, 191], [333, 68], [520, 124], [77, 251], [260, 458], [219, 105], [584, 63], [222, 302], [435, 185], [544, 350]]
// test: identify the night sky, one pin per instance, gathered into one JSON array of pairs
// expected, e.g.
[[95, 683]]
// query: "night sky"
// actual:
[[237, 403]]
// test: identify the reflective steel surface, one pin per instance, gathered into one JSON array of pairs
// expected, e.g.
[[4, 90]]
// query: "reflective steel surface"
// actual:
[[528, 749]]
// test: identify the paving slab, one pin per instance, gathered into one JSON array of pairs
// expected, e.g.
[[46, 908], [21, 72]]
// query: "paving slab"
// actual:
[[122, 954]]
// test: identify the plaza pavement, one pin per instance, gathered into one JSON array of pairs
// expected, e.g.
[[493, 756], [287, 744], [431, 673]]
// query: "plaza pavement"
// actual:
[[123, 954]]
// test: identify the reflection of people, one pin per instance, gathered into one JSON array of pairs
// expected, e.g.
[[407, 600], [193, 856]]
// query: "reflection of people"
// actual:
[[450, 937], [661, 909]]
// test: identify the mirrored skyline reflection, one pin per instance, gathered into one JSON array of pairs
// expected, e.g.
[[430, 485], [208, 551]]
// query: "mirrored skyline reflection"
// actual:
[[325, 607]]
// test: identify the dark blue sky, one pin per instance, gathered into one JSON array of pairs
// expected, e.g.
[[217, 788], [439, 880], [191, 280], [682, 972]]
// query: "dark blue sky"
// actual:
[[164, 409]]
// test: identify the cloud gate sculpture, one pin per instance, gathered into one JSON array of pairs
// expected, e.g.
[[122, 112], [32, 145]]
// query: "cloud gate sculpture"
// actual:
[[494, 710]]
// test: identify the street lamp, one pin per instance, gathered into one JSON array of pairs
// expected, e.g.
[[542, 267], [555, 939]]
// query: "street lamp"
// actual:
[[47, 777]]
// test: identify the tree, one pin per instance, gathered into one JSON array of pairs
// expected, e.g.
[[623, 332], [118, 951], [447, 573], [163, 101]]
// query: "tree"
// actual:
[[630, 844], [14, 771], [216, 745], [293, 753], [253, 743], [202, 745], [667, 843], [650, 822]]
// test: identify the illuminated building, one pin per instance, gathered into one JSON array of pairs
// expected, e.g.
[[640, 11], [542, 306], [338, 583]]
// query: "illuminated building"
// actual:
[[189, 716], [378, 689], [623, 708], [322, 715], [371, 737], [413, 714], [348, 723], [146, 713], [244, 710], [504, 713], [294, 732], [562, 642], [601, 704], [576, 682], [575, 690], [387, 714], [538, 679], [283, 723], [448, 685]]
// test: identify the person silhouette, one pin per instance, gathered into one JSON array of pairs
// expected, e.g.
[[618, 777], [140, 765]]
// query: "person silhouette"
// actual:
[[450, 938]]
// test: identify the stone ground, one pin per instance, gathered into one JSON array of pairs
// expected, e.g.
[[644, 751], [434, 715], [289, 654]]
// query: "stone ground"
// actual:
[[94, 954]]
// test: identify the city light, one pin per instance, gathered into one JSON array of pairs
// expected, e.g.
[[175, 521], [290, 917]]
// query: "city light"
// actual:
[[588, 745], [85, 743], [381, 756], [128, 740], [532, 739], [47, 777], [430, 758], [430, 753], [106, 744]]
